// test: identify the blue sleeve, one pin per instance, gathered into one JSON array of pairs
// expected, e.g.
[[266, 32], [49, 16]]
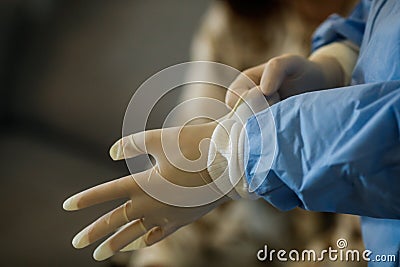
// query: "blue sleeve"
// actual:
[[382, 238], [337, 28], [335, 150]]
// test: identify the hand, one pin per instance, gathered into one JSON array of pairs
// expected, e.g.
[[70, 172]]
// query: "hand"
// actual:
[[143, 220], [287, 75]]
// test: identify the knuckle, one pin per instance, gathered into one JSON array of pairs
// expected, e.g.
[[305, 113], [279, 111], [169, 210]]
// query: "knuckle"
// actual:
[[249, 74], [279, 61], [274, 63]]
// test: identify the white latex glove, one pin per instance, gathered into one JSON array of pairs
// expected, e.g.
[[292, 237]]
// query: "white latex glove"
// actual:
[[185, 157], [142, 218]]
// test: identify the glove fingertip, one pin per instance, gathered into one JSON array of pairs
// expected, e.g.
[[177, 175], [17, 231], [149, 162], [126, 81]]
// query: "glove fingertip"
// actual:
[[70, 204], [102, 252], [116, 151]]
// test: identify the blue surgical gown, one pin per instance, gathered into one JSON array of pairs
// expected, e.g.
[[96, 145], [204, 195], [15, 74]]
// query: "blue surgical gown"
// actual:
[[338, 150]]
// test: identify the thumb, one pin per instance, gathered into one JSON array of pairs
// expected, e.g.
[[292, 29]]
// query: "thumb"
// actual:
[[136, 144]]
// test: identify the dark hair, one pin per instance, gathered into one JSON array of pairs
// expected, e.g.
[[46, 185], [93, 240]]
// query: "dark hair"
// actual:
[[253, 8]]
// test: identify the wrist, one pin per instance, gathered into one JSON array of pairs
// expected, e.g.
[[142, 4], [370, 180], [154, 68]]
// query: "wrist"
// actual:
[[225, 161], [329, 70], [337, 61]]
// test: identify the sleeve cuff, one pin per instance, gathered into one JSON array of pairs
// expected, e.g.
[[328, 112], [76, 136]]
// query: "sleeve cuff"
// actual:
[[225, 160]]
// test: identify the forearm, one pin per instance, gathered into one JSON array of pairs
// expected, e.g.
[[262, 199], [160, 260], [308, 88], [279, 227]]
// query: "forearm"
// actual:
[[334, 156]]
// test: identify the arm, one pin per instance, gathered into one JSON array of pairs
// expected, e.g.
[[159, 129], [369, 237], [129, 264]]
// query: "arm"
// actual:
[[334, 156]]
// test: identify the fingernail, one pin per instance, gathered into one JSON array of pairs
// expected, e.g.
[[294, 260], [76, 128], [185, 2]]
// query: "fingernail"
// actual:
[[116, 151], [81, 240], [102, 252], [69, 204], [154, 236]]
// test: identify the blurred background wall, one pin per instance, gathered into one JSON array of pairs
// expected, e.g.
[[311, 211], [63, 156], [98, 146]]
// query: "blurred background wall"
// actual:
[[68, 70]]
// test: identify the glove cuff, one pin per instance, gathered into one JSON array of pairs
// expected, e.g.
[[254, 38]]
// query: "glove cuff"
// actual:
[[225, 160], [346, 54]]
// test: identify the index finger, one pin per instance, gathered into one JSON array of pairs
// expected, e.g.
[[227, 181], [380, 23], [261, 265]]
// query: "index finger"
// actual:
[[120, 188], [244, 82]]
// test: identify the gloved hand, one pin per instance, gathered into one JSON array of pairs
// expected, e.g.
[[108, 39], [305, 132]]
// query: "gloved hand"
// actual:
[[184, 157], [287, 75], [142, 218]]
